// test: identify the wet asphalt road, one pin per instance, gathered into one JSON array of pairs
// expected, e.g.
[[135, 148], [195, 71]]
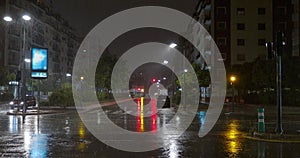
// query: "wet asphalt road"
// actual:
[[64, 135]]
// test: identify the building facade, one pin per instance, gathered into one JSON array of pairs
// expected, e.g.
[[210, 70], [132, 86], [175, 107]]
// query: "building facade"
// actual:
[[46, 29], [241, 29]]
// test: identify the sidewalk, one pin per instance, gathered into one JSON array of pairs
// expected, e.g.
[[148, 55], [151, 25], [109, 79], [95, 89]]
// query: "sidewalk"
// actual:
[[290, 123]]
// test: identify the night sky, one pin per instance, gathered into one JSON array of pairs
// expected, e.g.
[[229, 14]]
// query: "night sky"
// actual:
[[83, 15]]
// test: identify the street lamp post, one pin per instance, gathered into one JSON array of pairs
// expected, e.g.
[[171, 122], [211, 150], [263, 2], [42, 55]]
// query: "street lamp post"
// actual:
[[277, 51], [22, 64], [232, 79], [173, 45]]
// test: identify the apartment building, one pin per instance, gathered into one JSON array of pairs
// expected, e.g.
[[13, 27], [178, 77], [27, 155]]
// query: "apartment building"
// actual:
[[46, 29]]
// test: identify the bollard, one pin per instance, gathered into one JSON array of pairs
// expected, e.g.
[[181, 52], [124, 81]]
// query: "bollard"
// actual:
[[261, 120]]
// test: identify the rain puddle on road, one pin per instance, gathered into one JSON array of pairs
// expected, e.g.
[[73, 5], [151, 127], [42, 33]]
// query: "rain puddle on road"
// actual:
[[233, 139]]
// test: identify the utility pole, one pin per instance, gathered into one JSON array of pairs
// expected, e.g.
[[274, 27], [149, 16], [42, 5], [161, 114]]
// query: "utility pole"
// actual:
[[279, 41], [277, 53]]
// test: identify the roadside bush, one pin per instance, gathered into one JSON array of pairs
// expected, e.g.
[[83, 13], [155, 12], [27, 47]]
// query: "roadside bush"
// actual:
[[44, 103], [62, 97], [176, 98], [290, 97], [104, 96]]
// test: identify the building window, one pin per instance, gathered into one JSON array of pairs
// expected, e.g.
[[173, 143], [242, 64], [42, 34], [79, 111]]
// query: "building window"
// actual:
[[240, 26], [240, 42], [221, 41], [262, 42], [261, 26], [282, 26], [221, 10], [221, 25], [281, 10], [240, 11], [241, 57], [261, 11]]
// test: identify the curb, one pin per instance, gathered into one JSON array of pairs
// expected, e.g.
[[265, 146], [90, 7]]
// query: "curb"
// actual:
[[280, 139], [34, 113]]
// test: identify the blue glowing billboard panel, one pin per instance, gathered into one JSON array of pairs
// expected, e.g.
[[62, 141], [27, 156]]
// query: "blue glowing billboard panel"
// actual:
[[39, 74], [39, 58]]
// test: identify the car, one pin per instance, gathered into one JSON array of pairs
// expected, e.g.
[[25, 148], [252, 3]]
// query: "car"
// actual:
[[30, 102]]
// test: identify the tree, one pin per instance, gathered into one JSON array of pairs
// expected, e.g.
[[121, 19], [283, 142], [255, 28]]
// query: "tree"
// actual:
[[202, 75], [7, 76]]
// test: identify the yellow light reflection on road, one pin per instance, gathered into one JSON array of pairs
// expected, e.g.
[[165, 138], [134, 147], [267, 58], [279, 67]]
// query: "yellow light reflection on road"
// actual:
[[81, 132], [140, 117], [233, 139]]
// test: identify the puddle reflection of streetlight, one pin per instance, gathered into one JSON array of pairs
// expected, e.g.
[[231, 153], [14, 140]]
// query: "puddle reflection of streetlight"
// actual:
[[140, 126], [233, 142], [35, 143], [81, 132], [154, 115]]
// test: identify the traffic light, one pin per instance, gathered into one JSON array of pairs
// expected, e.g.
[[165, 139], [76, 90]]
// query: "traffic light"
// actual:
[[153, 80], [270, 53]]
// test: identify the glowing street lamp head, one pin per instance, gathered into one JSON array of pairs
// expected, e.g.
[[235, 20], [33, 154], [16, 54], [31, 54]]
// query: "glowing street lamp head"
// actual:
[[7, 18], [26, 17], [27, 60], [173, 45], [232, 78]]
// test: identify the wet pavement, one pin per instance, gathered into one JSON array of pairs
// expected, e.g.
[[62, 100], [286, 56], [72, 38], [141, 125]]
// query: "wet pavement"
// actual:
[[64, 135]]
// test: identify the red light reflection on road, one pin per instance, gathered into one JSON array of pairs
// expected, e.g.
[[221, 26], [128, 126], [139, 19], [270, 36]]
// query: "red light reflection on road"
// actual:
[[140, 117], [153, 116]]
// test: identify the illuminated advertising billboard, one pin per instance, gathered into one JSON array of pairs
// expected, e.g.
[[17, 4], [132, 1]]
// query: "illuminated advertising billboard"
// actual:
[[35, 74], [39, 58], [39, 62]]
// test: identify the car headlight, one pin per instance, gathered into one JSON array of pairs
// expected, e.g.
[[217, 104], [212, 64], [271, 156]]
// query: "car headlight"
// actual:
[[11, 103], [22, 102]]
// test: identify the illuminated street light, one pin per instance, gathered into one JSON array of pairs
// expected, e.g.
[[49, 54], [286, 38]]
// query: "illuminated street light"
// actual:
[[23, 60], [81, 78], [166, 62], [232, 79], [26, 17], [7, 18], [185, 70], [172, 45], [27, 60], [68, 75]]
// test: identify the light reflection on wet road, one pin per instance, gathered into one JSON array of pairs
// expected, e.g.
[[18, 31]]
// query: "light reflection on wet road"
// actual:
[[64, 135]]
